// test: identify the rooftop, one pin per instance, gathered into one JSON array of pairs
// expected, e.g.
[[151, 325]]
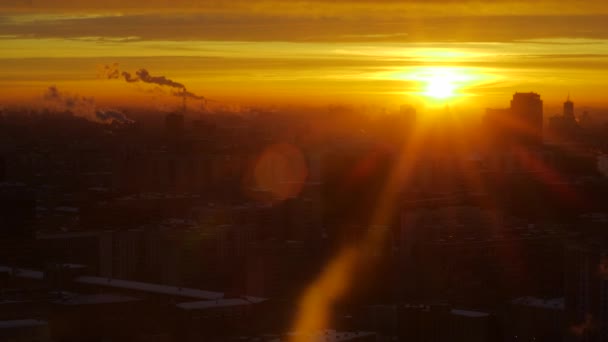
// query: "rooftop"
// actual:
[[331, 336], [468, 313], [22, 323], [72, 299], [554, 303], [151, 288], [220, 303], [22, 272]]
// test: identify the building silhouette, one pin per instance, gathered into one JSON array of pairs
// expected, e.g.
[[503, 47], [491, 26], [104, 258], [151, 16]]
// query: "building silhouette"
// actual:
[[564, 127], [568, 108], [527, 111], [520, 124]]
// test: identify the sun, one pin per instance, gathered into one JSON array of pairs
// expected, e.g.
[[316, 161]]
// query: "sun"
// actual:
[[440, 87], [442, 83], [437, 85]]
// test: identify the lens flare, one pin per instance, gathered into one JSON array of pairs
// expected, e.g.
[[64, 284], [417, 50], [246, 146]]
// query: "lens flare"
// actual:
[[280, 170], [317, 302]]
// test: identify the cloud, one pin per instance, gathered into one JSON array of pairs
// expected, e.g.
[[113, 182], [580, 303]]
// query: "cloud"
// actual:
[[306, 6], [237, 25]]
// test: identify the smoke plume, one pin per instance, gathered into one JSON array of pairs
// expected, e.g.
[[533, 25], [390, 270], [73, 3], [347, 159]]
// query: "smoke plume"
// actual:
[[113, 72], [112, 115], [83, 106], [68, 101], [144, 76], [110, 71]]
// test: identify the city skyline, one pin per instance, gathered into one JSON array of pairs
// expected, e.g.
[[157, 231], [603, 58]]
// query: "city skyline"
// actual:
[[308, 170]]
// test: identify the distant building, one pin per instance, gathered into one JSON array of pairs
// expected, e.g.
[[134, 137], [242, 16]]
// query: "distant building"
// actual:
[[564, 127], [92, 308], [521, 123], [2, 169], [174, 126], [70, 247], [586, 291], [24, 330], [435, 322], [527, 109], [395, 127], [96, 317], [534, 319], [179, 171], [469, 326], [602, 164], [216, 319], [271, 265], [329, 336], [449, 249], [17, 209], [569, 108]]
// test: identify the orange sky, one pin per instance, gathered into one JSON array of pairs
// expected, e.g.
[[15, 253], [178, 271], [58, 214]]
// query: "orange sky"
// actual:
[[383, 52]]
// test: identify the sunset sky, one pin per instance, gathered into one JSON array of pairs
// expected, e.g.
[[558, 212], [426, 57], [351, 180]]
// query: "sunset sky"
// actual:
[[349, 51]]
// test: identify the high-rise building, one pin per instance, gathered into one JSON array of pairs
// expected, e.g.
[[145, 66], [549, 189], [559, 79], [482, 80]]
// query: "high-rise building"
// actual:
[[564, 128], [521, 123], [569, 108], [527, 112]]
